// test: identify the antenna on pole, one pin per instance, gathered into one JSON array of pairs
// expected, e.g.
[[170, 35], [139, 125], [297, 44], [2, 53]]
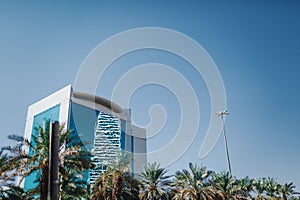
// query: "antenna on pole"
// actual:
[[222, 114]]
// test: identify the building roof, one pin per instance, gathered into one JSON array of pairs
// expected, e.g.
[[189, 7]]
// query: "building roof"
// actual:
[[98, 100]]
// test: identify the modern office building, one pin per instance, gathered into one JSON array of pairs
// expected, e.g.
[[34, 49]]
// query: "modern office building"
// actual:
[[105, 125]]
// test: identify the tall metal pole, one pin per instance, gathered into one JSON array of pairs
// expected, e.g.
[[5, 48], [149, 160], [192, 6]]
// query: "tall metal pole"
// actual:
[[54, 182], [221, 114]]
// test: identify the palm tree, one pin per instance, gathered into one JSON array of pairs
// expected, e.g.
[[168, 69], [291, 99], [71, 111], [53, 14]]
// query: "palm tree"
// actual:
[[35, 161], [259, 186], [74, 187], [244, 187], [102, 189], [226, 185], [194, 184], [14, 164], [155, 184], [286, 190], [117, 182], [7, 190], [3, 161], [12, 192], [75, 161], [272, 188]]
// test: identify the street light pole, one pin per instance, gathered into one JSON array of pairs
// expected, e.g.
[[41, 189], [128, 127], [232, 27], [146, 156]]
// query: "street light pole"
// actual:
[[54, 161], [221, 114]]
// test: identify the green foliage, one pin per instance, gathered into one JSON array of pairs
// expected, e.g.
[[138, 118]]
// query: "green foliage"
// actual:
[[117, 183], [226, 185], [286, 190], [155, 184], [32, 157], [193, 183], [196, 182]]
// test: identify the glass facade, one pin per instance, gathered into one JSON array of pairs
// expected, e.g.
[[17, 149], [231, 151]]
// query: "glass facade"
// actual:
[[107, 144], [105, 134]]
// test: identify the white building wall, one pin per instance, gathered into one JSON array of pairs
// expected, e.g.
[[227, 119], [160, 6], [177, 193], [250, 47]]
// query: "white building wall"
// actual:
[[61, 97], [140, 148]]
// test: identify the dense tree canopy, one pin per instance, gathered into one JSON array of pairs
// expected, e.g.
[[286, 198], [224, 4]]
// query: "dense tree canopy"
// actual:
[[118, 182]]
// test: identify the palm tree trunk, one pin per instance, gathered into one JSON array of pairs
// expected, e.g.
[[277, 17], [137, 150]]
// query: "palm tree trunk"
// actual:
[[284, 197], [117, 188], [44, 183]]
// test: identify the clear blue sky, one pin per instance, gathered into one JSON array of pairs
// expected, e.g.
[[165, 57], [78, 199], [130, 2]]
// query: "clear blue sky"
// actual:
[[256, 46]]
